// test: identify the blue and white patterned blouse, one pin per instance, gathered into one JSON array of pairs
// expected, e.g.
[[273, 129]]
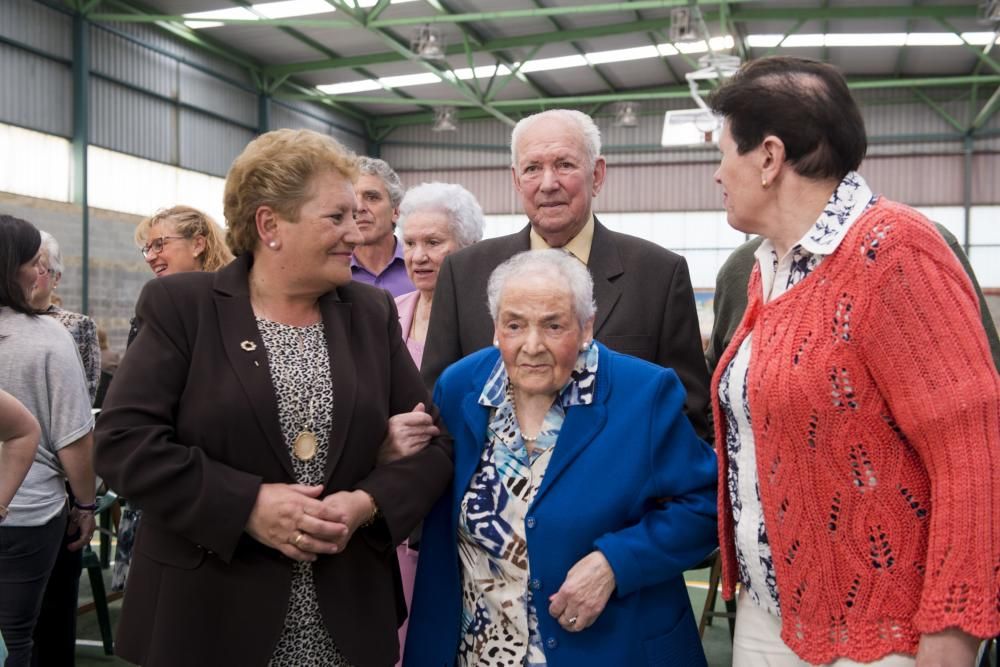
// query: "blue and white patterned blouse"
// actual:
[[778, 275], [499, 619]]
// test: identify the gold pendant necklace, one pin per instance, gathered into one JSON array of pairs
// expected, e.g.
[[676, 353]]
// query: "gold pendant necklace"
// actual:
[[305, 445]]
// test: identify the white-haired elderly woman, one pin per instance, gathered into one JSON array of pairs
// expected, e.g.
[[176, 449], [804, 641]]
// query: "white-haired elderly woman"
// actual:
[[82, 328], [436, 219], [581, 493]]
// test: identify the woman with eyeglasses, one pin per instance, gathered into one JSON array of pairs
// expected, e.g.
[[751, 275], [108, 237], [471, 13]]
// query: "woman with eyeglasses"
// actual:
[[40, 367], [173, 240]]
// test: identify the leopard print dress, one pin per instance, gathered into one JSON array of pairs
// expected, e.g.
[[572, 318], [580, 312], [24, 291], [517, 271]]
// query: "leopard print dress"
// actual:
[[300, 372]]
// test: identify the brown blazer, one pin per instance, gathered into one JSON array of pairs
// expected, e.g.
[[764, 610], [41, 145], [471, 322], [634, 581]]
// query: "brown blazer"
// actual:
[[190, 431], [645, 307]]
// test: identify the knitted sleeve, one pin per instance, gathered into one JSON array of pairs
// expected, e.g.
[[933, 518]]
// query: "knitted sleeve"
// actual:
[[928, 354]]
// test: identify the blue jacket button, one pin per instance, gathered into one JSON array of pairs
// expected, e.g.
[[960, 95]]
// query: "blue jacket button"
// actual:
[[551, 643], [530, 522], [534, 584]]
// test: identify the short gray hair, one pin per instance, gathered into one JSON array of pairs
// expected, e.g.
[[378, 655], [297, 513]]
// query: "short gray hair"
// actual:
[[567, 269], [590, 135], [373, 166], [51, 248], [464, 213]]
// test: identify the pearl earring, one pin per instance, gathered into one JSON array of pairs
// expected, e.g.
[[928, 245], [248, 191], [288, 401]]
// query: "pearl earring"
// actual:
[[496, 343], [763, 182], [585, 346], [272, 244]]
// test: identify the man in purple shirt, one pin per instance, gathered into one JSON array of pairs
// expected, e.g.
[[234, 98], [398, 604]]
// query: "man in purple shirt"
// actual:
[[379, 260]]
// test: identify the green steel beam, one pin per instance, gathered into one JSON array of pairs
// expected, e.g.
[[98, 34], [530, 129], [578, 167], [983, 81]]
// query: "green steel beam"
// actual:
[[982, 55], [791, 31], [596, 69], [939, 110], [990, 108], [379, 7], [679, 92], [397, 45], [487, 46], [81, 142], [492, 94], [967, 10]]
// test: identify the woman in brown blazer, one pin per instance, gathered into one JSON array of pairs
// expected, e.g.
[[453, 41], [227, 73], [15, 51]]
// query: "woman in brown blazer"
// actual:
[[245, 422]]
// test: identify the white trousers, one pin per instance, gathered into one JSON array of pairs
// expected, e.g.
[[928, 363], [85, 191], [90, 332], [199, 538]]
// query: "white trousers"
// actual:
[[758, 643]]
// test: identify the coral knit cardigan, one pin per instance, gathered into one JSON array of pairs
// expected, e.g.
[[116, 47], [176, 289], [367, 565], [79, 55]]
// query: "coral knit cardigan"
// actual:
[[876, 415]]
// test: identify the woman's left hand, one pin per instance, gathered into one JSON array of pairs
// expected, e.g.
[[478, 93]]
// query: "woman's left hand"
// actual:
[[583, 595], [345, 510], [949, 648]]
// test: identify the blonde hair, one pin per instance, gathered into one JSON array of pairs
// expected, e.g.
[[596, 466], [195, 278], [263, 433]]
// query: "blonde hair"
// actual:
[[189, 223], [277, 169]]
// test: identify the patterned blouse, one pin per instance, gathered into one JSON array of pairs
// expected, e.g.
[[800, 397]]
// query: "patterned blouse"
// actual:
[[84, 332], [499, 618], [778, 275], [300, 371]]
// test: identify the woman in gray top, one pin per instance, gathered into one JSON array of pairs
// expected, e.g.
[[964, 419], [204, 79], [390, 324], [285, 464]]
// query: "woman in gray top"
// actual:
[[40, 367]]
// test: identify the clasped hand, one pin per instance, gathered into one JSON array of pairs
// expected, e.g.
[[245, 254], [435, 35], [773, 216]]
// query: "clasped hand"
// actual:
[[292, 519]]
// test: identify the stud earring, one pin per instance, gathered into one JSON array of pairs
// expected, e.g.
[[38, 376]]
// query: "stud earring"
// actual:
[[272, 244], [585, 346], [763, 183], [496, 343]]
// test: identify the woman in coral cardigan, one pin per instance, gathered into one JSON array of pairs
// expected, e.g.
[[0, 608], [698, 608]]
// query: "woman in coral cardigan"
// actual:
[[857, 410]]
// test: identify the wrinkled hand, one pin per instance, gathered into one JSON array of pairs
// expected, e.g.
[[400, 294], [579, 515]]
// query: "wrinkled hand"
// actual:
[[86, 523], [949, 648], [346, 510], [283, 515], [584, 593], [409, 432]]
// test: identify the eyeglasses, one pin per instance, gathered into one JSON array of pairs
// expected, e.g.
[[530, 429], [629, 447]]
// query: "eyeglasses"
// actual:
[[156, 245]]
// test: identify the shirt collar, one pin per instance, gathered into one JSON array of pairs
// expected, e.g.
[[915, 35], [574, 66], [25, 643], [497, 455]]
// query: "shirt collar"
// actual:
[[578, 246], [579, 390], [397, 254], [851, 198]]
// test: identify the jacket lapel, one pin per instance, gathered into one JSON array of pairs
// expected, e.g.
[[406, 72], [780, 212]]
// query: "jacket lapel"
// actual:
[[605, 266], [245, 350], [337, 325], [475, 417]]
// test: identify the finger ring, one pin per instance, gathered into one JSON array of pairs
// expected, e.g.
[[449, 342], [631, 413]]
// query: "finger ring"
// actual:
[[298, 538], [572, 620]]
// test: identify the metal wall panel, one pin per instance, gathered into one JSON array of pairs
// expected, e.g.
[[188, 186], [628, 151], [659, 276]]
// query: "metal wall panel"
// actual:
[[283, 115], [132, 122], [986, 179], [37, 92], [131, 63], [492, 187], [210, 145], [207, 92], [37, 26], [916, 180]]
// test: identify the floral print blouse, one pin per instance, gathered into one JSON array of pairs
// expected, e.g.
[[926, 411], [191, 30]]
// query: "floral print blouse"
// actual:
[[499, 616]]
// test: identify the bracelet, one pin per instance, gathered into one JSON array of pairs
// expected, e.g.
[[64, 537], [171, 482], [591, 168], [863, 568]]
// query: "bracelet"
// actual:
[[375, 513], [85, 507], [4, 511]]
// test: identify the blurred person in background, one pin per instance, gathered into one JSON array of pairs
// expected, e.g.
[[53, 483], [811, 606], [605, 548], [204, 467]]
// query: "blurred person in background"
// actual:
[[41, 368], [379, 259]]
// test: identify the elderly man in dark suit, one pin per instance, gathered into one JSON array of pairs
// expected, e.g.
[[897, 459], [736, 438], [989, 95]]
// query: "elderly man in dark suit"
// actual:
[[645, 304]]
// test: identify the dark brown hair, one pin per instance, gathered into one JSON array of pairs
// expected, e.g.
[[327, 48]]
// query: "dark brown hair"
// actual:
[[19, 243], [805, 103]]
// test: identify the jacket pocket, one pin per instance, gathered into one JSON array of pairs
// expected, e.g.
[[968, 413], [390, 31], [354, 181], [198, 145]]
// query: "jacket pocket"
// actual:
[[679, 647], [167, 548]]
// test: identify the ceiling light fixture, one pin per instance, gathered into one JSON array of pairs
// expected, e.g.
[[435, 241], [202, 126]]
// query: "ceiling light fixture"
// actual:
[[627, 114], [445, 119], [428, 43]]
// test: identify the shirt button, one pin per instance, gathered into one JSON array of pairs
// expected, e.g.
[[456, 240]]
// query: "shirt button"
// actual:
[[530, 522], [551, 643], [535, 584]]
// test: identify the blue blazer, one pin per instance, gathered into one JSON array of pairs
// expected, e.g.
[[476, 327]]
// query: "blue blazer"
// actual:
[[628, 477]]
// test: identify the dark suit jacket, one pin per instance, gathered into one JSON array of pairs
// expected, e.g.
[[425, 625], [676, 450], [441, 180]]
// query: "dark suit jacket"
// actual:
[[645, 307], [189, 433], [731, 297]]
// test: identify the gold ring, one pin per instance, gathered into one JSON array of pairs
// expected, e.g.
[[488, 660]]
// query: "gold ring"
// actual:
[[298, 538], [572, 621]]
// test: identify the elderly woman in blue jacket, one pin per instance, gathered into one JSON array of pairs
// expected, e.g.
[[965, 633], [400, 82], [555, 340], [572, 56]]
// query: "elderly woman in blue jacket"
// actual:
[[581, 494]]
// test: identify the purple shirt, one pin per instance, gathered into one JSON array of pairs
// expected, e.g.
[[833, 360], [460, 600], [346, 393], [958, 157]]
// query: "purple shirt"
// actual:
[[393, 278]]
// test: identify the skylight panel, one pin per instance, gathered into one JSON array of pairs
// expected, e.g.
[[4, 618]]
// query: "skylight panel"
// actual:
[[289, 8], [349, 87], [561, 62], [622, 55]]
